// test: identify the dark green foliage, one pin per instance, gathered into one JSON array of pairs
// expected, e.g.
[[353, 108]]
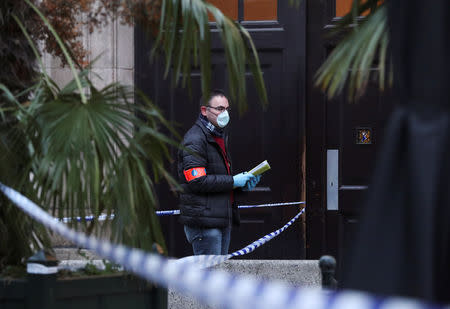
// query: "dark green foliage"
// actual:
[[89, 158], [17, 60], [364, 47]]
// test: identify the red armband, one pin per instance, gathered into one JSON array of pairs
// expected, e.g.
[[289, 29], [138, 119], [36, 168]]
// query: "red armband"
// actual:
[[195, 172]]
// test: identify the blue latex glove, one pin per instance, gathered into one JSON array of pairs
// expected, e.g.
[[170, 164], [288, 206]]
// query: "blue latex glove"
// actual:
[[241, 179], [251, 184]]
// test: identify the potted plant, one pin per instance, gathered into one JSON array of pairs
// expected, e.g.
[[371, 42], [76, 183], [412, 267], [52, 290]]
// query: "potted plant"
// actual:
[[79, 150]]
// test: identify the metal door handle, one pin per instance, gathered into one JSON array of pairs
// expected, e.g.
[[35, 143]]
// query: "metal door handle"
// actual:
[[332, 179]]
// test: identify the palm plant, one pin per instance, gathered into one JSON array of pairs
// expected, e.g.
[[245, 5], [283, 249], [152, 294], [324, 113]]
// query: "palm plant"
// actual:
[[80, 150], [364, 45]]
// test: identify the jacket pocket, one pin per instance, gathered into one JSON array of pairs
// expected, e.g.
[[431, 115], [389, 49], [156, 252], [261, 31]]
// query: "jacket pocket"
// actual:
[[208, 204], [218, 205]]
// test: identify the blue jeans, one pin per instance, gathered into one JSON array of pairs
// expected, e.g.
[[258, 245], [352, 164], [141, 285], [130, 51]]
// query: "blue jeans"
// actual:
[[208, 240]]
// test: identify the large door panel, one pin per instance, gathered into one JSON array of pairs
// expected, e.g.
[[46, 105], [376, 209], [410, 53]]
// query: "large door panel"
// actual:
[[355, 131], [274, 134], [342, 142]]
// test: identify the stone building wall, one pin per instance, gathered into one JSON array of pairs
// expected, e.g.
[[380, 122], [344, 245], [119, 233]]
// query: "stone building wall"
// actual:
[[115, 46]]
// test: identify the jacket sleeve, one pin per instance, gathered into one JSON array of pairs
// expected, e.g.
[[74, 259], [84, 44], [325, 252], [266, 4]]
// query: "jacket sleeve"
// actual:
[[194, 155]]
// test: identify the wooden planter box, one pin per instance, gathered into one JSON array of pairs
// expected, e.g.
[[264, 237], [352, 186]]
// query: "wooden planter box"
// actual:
[[94, 292]]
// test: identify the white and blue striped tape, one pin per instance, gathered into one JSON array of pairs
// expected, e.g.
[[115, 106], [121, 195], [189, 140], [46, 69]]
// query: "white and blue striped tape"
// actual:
[[102, 217], [204, 261], [214, 288], [168, 212], [271, 205], [177, 211]]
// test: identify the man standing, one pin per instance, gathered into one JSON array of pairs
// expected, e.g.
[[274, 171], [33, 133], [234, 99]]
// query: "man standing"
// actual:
[[205, 173]]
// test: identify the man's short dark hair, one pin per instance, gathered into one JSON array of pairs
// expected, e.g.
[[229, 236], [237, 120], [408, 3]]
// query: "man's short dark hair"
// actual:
[[213, 93]]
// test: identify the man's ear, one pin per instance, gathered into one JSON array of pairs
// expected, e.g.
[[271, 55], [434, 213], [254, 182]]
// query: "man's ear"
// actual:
[[203, 110]]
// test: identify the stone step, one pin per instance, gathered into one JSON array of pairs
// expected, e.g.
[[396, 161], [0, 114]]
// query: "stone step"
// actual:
[[295, 272]]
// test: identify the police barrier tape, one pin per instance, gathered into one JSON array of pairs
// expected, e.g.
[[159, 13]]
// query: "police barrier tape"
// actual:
[[214, 288], [177, 211], [204, 261]]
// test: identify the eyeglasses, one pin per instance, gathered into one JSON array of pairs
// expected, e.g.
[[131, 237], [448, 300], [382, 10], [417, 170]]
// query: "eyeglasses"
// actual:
[[220, 108]]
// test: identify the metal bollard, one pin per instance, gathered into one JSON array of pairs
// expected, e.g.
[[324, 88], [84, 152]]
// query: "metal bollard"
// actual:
[[41, 281], [327, 266]]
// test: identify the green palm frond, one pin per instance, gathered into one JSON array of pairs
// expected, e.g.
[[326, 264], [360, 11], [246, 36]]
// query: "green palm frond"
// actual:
[[184, 37], [94, 158], [353, 59]]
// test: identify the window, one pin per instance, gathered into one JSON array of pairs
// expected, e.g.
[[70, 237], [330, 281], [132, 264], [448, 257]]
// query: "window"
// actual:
[[344, 6], [228, 7], [260, 9], [247, 10]]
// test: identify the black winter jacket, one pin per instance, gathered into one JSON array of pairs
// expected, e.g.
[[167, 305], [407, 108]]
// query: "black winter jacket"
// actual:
[[204, 201]]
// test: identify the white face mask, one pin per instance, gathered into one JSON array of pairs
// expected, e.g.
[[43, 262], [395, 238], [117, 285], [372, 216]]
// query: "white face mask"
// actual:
[[223, 119]]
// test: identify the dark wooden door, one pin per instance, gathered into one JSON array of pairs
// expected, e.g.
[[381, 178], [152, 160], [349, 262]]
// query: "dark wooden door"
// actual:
[[275, 135], [353, 133], [342, 139]]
